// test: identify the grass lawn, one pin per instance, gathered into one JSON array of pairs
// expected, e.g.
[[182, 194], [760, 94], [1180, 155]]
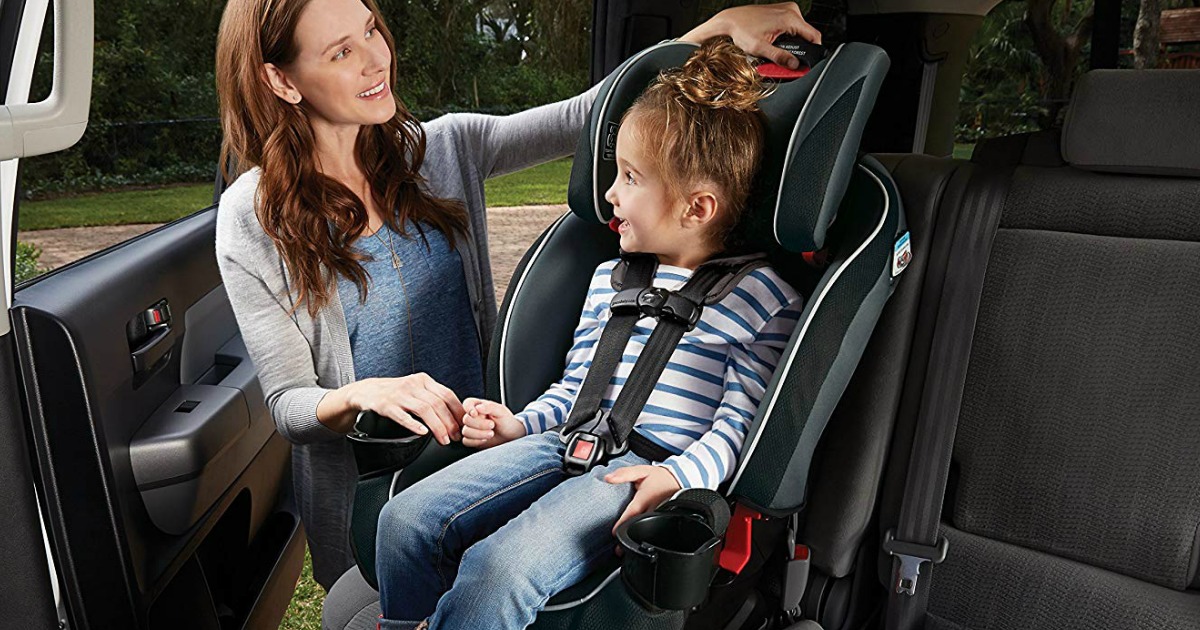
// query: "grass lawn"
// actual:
[[155, 205], [545, 184], [304, 613]]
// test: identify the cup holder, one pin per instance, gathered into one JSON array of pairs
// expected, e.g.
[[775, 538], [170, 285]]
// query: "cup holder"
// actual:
[[383, 446], [670, 558]]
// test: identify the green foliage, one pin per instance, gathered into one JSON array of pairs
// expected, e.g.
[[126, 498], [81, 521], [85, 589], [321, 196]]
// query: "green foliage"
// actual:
[[1002, 91], [154, 106], [26, 265]]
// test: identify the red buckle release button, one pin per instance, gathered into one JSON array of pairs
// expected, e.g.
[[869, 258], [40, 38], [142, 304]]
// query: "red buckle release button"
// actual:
[[582, 450]]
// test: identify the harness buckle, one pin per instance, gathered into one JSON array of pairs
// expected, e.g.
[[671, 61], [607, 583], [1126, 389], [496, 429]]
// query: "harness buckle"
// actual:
[[661, 303], [626, 301], [585, 449], [911, 557]]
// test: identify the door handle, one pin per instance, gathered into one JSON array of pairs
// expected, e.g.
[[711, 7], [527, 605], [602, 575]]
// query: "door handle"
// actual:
[[150, 337], [152, 350]]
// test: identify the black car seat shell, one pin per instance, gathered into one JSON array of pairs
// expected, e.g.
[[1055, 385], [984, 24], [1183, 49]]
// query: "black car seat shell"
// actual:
[[1073, 498], [818, 194], [813, 127]]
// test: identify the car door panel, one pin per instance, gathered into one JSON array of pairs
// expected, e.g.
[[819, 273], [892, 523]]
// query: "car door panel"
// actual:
[[167, 486]]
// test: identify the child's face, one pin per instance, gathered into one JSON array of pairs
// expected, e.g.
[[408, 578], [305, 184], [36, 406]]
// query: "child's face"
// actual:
[[650, 216]]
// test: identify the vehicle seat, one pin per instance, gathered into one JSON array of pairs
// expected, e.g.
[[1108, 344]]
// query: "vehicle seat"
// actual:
[[1074, 490], [814, 126]]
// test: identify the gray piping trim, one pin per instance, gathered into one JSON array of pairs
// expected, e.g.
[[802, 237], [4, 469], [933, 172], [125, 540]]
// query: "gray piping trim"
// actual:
[[745, 458], [787, 160], [596, 148], [583, 600], [395, 482], [512, 305]]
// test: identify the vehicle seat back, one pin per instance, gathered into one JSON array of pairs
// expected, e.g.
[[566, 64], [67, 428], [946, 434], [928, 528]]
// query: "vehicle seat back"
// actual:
[[1074, 491]]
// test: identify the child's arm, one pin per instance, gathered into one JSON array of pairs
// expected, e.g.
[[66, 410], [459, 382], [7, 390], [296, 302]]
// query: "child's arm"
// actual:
[[493, 423]]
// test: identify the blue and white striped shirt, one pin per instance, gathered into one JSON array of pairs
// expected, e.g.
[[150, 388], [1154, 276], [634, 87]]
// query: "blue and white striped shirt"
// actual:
[[706, 398]]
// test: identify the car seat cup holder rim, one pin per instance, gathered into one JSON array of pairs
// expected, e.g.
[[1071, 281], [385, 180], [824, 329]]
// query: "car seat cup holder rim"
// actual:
[[670, 559], [382, 445]]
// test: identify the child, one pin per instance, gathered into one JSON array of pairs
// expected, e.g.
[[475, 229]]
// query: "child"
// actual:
[[487, 541]]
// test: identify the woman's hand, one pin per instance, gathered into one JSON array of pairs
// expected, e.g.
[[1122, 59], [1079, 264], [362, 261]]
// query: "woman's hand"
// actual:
[[755, 27], [401, 399], [487, 424], [654, 484]]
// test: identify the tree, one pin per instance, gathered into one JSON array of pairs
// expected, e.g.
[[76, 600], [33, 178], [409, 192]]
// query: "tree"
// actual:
[[1146, 34], [1059, 44]]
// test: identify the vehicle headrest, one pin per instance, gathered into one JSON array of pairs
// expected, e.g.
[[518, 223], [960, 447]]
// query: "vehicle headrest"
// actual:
[[813, 126], [1141, 122]]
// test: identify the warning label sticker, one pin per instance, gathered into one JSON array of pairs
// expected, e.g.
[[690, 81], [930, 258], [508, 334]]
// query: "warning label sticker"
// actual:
[[901, 255]]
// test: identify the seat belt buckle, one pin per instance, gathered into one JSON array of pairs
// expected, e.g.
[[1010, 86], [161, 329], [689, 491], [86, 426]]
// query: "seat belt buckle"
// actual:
[[584, 450], [911, 556], [795, 578]]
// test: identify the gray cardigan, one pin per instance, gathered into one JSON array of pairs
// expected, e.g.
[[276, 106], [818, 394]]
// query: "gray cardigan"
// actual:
[[300, 358]]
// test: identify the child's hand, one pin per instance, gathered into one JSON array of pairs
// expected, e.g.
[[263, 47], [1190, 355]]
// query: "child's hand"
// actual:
[[654, 484], [487, 424]]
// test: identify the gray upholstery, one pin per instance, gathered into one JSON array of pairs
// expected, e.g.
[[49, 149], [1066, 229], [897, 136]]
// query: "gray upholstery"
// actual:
[[356, 606], [1070, 200], [988, 584], [1079, 433], [1143, 122]]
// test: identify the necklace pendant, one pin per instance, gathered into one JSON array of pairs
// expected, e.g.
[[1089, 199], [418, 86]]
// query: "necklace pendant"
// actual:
[[396, 262]]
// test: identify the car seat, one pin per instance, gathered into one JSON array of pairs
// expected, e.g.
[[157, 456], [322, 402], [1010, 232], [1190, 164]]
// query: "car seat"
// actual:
[[813, 195]]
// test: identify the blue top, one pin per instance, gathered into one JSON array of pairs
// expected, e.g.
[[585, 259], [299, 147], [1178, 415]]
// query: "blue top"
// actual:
[[444, 342]]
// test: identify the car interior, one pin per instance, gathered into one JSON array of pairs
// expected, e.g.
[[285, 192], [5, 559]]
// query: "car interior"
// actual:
[[986, 418]]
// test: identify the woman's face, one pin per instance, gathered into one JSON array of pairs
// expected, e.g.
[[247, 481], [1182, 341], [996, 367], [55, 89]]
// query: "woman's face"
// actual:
[[341, 68]]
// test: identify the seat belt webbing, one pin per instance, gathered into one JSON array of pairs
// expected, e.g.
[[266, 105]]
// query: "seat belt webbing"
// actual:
[[916, 544]]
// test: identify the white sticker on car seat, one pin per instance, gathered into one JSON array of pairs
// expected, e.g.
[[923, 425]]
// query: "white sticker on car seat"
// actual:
[[901, 255]]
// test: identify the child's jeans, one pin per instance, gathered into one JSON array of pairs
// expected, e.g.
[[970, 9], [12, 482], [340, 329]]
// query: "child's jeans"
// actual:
[[494, 536]]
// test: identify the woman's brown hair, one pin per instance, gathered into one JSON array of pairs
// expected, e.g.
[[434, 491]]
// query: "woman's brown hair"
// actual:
[[313, 219], [706, 127]]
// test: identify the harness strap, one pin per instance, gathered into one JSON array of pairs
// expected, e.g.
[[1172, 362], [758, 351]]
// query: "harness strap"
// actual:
[[638, 275], [677, 312], [662, 343]]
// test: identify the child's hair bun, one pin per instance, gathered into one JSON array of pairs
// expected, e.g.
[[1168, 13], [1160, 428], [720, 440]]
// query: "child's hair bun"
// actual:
[[718, 76]]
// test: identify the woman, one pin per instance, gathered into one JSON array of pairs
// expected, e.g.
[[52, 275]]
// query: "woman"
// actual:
[[356, 237]]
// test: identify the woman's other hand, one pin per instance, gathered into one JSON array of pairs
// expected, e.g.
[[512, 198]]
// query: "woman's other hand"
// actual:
[[403, 399], [755, 27], [487, 423]]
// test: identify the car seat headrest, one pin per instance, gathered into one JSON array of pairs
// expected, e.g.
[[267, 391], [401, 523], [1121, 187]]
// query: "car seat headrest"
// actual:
[[813, 126], [1141, 122]]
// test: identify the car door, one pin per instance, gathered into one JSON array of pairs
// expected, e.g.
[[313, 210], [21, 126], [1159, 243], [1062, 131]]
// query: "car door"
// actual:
[[145, 484]]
